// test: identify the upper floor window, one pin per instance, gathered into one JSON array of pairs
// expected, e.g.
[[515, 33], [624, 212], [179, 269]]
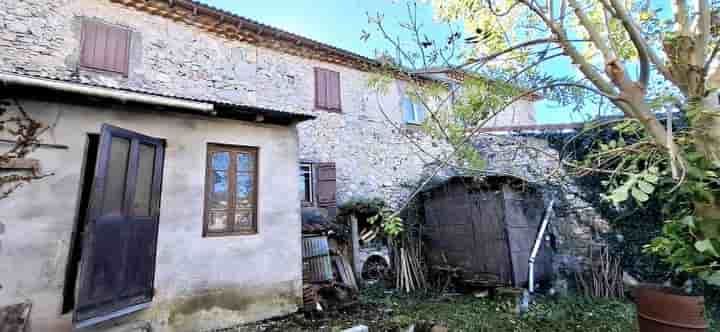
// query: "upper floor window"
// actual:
[[231, 190], [327, 90], [413, 112], [104, 47]]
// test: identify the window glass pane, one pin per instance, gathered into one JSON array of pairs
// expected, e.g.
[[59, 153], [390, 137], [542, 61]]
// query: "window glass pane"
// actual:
[[305, 183], [244, 221], [245, 162], [244, 189], [407, 108], [304, 187], [219, 190], [117, 173], [218, 222], [143, 188], [221, 160], [419, 112]]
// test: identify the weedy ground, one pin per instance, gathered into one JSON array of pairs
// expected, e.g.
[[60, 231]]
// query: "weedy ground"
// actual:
[[385, 311]]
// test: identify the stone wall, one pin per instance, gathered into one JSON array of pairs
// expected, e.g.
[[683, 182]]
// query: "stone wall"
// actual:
[[575, 223], [374, 158]]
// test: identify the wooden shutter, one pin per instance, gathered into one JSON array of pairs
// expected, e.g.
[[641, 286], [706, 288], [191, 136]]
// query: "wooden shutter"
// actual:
[[333, 90], [105, 47], [320, 88], [326, 185], [327, 89]]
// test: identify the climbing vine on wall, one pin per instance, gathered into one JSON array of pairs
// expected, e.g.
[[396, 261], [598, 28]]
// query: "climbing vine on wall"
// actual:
[[633, 225]]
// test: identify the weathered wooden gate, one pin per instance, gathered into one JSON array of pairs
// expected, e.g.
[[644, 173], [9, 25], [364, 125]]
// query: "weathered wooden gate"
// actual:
[[487, 228]]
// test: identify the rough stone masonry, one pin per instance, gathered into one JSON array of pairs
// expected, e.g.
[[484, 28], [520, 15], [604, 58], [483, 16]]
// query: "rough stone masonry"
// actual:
[[373, 158]]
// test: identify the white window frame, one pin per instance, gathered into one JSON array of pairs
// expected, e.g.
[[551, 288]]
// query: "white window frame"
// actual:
[[415, 112], [307, 168]]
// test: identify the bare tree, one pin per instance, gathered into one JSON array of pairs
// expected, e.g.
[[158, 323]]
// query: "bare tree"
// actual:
[[631, 57]]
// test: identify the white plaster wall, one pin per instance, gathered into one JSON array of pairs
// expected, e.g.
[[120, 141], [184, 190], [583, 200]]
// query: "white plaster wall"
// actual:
[[237, 278]]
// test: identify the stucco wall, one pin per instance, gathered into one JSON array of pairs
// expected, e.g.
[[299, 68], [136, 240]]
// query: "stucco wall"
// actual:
[[200, 282]]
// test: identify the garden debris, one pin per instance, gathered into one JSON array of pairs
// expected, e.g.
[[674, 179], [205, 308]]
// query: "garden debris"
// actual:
[[344, 271], [359, 328], [15, 318], [481, 294], [629, 280], [330, 296]]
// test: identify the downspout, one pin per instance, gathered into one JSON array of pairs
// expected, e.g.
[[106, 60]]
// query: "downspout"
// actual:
[[536, 247], [101, 92]]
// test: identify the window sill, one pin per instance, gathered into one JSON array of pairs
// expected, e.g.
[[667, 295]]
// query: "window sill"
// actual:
[[331, 110], [217, 235], [102, 71]]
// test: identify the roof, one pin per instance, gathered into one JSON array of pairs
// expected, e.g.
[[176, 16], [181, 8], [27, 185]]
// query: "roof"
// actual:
[[485, 180], [234, 26], [562, 127], [457, 74], [209, 106]]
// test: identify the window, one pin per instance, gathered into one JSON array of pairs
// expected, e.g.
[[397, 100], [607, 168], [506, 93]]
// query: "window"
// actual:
[[104, 47], [327, 90], [231, 191], [413, 112], [306, 184], [318, 184]]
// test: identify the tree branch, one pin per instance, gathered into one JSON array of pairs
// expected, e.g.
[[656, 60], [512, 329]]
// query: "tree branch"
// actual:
[[703, 30], [599, 42], [594, 76], [682, 19], [637, 39]]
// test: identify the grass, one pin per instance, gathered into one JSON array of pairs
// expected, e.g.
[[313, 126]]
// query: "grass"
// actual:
[[466, 313], [383, 311]]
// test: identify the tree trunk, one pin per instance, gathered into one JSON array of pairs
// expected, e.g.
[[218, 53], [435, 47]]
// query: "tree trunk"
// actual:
[[708, 142]]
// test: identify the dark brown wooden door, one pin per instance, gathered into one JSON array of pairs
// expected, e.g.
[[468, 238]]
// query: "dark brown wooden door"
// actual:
[[118, 259]]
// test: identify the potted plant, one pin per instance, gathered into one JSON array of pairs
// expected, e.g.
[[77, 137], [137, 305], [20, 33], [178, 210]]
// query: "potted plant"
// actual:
[[690, 238]]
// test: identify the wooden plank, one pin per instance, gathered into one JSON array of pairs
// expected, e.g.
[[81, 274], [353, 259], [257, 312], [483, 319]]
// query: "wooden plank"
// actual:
[[21, 164], [355, 246]]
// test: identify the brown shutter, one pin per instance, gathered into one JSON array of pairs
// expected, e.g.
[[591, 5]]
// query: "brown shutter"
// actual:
[[327, 89], [320, 88], [89, 37], [105, 47], [326, 185], [333, 90]]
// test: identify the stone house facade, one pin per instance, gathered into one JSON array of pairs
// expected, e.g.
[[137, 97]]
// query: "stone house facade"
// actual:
[[263, 81], [252, 64]]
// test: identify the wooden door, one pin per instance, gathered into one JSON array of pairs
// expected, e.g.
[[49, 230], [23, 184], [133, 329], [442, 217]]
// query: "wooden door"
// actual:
[[118, 255]]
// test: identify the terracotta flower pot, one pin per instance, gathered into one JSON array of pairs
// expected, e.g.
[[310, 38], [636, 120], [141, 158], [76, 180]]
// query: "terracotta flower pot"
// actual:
[[663, 309]]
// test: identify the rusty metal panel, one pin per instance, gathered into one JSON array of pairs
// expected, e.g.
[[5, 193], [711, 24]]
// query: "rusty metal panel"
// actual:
[[317, 265]]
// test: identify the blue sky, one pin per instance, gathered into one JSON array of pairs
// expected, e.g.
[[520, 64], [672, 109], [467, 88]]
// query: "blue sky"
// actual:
[[340, 23]]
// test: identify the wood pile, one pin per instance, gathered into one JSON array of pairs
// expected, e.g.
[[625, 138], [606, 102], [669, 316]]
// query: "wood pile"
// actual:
[[409, 267]]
